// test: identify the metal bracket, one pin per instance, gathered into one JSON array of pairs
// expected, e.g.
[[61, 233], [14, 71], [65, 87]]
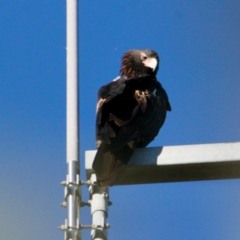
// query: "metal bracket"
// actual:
[[99, 202], [68, 234], [72, 196]]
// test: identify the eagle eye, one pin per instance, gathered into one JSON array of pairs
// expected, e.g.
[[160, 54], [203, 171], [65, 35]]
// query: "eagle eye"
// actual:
[[144, 57]]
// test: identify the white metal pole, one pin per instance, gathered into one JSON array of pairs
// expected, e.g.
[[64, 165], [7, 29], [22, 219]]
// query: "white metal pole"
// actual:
[[99, 210], [72, 82], [72, 193]]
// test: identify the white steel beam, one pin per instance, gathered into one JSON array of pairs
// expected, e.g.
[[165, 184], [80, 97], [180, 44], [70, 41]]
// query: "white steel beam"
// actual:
[[179, 163]]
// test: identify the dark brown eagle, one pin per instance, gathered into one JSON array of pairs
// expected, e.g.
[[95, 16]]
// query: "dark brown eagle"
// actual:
[[130, 112]]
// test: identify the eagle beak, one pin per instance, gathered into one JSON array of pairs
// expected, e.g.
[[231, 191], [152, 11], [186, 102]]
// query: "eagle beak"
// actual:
[[151, 63]]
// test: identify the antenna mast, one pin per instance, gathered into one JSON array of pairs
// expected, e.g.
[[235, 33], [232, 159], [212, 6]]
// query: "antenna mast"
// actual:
[[72, 187], [99, 196]]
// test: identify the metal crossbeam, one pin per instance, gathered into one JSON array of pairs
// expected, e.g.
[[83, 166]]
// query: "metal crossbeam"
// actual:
[[179, 163]]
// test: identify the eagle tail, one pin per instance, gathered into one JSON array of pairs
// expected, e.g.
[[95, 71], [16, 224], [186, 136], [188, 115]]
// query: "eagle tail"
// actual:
[[109, 165]]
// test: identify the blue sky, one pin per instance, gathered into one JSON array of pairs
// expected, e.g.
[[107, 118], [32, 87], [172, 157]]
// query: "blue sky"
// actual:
[[199, 46]]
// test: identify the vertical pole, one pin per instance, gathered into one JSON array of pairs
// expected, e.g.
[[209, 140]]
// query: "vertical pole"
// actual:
[[72, 193], [99, 210], [72, 82]]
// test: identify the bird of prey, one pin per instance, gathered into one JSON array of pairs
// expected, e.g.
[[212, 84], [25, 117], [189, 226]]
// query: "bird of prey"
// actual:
[[130, 112]]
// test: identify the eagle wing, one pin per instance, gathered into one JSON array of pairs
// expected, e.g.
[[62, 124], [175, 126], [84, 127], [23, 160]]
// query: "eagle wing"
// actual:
[[130, 113]]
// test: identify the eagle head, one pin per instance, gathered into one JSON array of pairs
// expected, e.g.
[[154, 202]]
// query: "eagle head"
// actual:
[[138, 62]]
